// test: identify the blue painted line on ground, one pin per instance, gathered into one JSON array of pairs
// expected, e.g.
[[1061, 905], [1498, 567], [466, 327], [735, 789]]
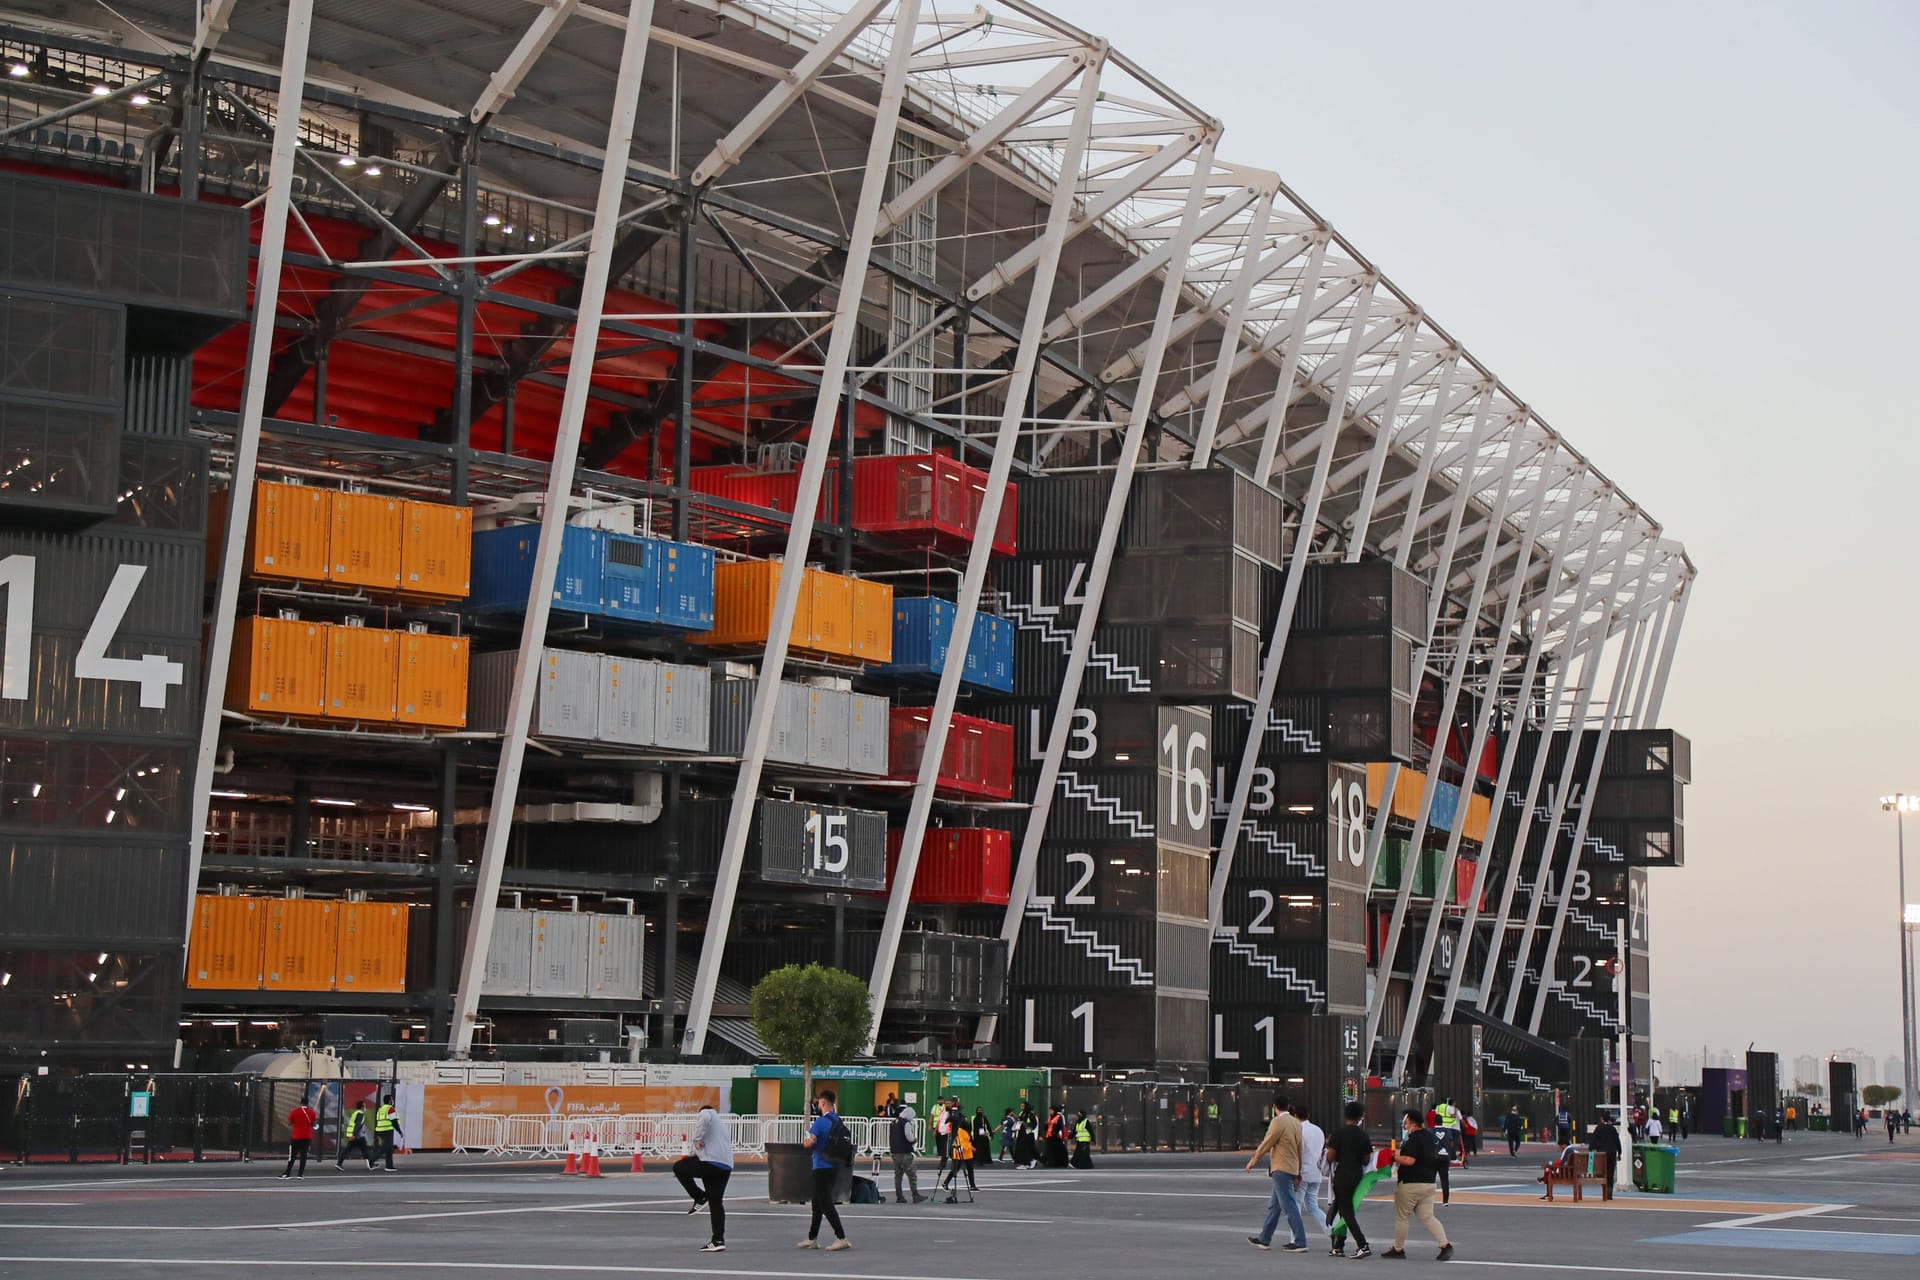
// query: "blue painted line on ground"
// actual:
[[1804, 1241]]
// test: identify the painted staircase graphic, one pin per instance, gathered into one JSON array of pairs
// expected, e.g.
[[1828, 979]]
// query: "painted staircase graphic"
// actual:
[[1258, 960], [1107, 664], [1585, 1006], [1515, 1073], [1588, 922], [1287, 850], [1112, 810], [1088, 943], [1594, 843], [1289, 733]]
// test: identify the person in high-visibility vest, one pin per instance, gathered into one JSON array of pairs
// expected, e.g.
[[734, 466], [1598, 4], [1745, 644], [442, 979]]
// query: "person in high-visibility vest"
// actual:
[[1082, 1142], [353, 1136], [386, 1128]]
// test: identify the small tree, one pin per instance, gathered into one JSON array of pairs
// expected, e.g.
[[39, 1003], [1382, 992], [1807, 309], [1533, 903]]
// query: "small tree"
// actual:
[[1879, 1095], [812, 1015]]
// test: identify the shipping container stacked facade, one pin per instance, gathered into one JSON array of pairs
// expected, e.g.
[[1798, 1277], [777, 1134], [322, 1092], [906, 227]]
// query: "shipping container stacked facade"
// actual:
[[389, 556]]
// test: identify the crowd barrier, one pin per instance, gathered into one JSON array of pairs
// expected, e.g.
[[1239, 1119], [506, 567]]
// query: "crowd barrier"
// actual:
[[661, 1136]]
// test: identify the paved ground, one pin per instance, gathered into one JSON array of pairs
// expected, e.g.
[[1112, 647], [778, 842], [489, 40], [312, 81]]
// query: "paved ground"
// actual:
[[1817, 1208]]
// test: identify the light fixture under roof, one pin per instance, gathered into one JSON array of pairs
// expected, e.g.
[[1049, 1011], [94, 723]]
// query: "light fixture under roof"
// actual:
[[101, 91], [491, 220], [140, 100], [19, 70], [346, 162]]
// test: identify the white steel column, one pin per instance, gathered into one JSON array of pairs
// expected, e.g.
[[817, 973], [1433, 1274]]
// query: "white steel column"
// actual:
[[553, 520], [1571, 649], [1482, 720], [1382, 446], [1650, 712], [1290, 361], [246, 441], [1590, 660], [1522, 696], [1095, 590], [1236, 321], [980, 553], [1483, 436], [766, 694], [1289, 598], [1416, 491], [1617, 697]]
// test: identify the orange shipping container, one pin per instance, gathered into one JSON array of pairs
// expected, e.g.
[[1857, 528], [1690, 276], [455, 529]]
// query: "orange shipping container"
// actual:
[[872, 621], [289, 533], [363, 541], [279, 667], [373, 947], [829, 613], [225, 949], [436, 551], [301, 945], [361, 675], [432, 683]]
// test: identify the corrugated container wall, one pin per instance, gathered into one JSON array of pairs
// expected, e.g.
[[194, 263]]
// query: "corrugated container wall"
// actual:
[[503, 570], [279, 667], [872, 621], [436, 551], [302, 940], [373, 947], [867, 732], [616, 957], [290, 532], [977, 761], [229, 935], [829, 722], [362, 673], [733, 706], [363, 541], [509, 954], [566, 700], [959, 866], [629, 699], [682, 717], [431, 687], [559, 955]]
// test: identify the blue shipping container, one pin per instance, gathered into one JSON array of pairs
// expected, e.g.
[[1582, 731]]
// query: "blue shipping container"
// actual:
[[686, 586], [503, 570], [630, 569], [922, 631]]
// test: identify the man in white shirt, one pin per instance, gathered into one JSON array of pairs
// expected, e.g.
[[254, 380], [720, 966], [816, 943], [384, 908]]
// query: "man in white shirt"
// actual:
[[1313, 1150]]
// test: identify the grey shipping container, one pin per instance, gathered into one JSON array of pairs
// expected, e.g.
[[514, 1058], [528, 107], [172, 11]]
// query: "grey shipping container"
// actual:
[[509, 954], [559, 954], [829, 722], [732, 704], [867, 732], [616, 957], [566, 699], [683, 712], [821, 846], [629, 700]]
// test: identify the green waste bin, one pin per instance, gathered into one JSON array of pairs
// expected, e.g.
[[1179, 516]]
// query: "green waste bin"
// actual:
[[1653, 1167], [1817, 1124]]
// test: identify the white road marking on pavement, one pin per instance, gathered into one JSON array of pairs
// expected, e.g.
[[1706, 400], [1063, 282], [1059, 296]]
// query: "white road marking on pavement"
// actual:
[[320, 1222], [319, 1265], [1632, 1271], [800, 1211], [1758, 1219], [1852, 1155]]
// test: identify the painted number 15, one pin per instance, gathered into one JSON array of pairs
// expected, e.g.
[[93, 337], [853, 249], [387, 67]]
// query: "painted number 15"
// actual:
[[153, 672]]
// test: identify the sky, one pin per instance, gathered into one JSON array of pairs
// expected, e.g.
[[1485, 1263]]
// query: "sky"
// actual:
[[1685, 233]]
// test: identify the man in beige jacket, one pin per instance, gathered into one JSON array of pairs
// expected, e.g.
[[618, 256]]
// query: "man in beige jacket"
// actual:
[[1281, 1146]]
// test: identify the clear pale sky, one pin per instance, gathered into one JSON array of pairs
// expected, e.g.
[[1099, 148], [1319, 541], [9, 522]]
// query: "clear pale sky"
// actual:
[[1689, 235]]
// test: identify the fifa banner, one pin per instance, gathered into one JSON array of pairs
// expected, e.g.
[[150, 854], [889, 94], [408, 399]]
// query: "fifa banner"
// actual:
[[440, 1103]]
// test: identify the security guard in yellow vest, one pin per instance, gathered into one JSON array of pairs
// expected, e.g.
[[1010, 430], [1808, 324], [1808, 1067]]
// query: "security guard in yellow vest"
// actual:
[[386, 1128], [353, 1136]]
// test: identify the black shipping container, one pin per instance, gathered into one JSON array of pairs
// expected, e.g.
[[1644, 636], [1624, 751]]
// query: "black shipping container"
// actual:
[[820, 846], [1637, 752], [1154, 586], [1587, 1091], [1121, 661], [1061, 515], [1081, 1028], [1347, 663], [158, 391], [163, 487], [1763, 1086], [80, 891], [1643, 844], [1069, 949], [1456, 1065], [1369, 595], [1639, 799], [1212, 510], [71, 1002], [1336, 1070], [1255, 971], [72, 572]]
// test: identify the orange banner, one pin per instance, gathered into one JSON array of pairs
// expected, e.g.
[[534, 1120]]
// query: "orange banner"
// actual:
[[442, 1102]]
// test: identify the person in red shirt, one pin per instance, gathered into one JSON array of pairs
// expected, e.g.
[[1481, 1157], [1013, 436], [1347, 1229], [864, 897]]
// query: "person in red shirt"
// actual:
[[301, 1121]]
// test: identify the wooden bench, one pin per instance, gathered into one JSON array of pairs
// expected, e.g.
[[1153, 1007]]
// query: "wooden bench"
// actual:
[[1559, 1175]]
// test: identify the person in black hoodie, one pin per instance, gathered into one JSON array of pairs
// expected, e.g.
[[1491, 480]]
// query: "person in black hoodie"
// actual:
[[903, 1143], [982, 1139], [1604, 1138], [1419, 1160]]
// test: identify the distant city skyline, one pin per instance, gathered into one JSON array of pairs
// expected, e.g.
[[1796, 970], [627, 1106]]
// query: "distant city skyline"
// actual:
[[1683, 1066]]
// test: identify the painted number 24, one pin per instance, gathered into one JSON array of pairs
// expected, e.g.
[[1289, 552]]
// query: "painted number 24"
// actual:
[[153, 672]]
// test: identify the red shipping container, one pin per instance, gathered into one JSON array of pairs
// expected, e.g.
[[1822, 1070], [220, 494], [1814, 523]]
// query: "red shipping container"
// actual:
[[959, 867], [925, 499], [977, 762], [1463, 874], [769, 490]]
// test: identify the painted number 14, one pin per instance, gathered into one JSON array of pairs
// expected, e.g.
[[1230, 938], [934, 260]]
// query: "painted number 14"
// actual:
[[154, 673]]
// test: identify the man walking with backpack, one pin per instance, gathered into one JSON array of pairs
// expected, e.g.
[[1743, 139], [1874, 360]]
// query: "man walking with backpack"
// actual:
[[831, 1143], [903, 1140]]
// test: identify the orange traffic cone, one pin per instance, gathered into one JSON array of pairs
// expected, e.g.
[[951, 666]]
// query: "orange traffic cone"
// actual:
[[638, 1165], [573, 1155], [590, 1164]]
